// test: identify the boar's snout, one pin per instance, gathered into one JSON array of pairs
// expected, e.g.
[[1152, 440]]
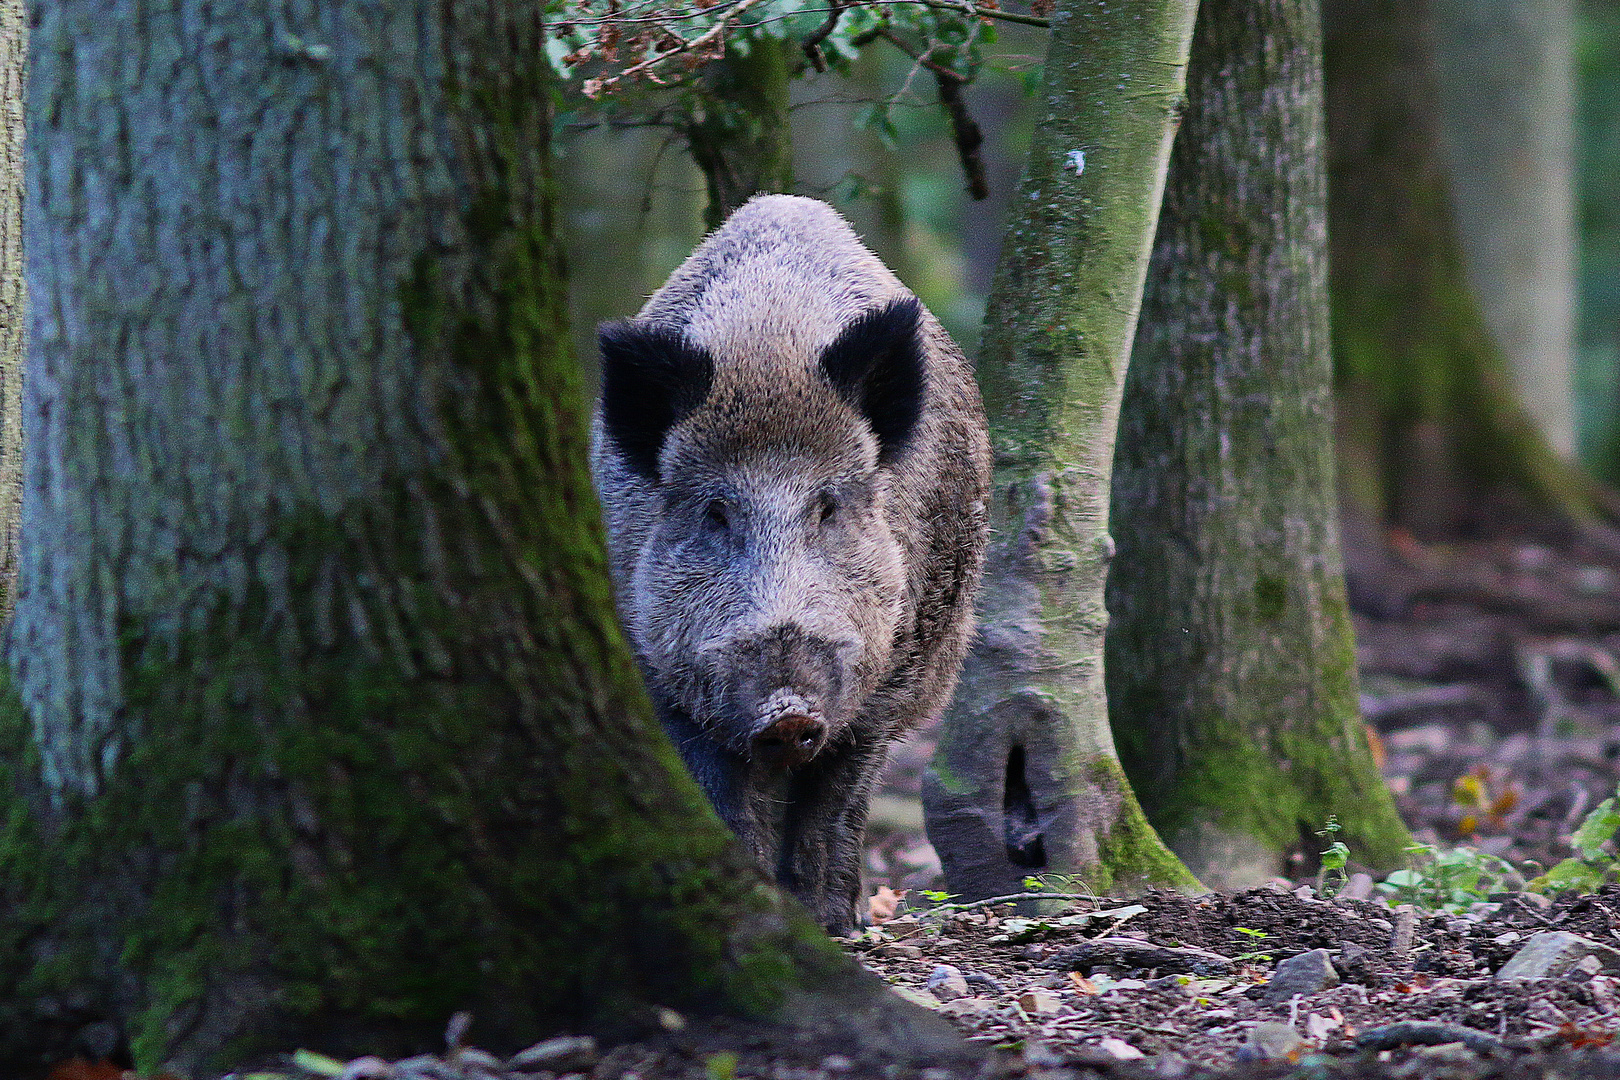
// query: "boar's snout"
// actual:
[[791, 740]]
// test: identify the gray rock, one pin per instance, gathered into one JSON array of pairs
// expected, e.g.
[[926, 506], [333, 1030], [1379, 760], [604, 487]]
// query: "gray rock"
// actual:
[[1271, 1041], [1554, 952], [565, 1053], [947, 983], [1303, 974], [1400, 942]]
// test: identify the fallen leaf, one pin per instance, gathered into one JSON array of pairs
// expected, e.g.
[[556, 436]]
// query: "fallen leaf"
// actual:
[[1082, 984], [881, 906]]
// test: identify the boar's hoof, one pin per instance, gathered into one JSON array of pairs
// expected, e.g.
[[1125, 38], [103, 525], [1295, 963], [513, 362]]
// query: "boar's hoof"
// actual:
[[792, 740]]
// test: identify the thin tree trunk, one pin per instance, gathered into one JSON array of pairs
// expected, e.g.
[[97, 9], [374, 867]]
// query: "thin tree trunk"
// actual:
[[743, 143], [1231, 669], [1507, 123], [13, 53], [1026, 780], [332, 730], [1432, 436]]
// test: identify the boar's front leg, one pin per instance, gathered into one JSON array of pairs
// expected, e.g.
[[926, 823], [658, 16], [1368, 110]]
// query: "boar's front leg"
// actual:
[[727, 779], [824, 829]]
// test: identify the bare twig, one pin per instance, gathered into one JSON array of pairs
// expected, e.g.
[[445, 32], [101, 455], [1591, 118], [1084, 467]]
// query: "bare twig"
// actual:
[[595, 87], [966, 134], [812, 44], [987, 13]]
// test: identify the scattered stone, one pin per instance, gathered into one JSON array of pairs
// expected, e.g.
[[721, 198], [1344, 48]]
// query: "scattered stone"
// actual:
[[1040, 1003], [466, 1056], [1119, 1049], [1303, 974], [837, 1063], [366, 1068], [1554, 952], [984, 982], [1419, 1033], [916, 997], [970, 1008], [947, 983], [1359, 887], [1170, 1066], [565, 1053], [910, 952], [1400, 942], [670, 1020], [1271, 1041]]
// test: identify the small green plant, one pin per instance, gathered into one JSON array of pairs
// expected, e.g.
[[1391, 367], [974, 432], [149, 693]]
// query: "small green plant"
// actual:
[[1450, 879], [1055, 883], [1333, 876], [1255, 936], [1594, 862], [935, 896], [721, 1066]]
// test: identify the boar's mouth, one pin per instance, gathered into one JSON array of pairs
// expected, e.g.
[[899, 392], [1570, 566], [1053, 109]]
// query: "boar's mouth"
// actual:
[[789, 731]]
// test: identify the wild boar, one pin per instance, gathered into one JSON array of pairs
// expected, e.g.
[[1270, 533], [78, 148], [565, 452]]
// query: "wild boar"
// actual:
[[792, 458]]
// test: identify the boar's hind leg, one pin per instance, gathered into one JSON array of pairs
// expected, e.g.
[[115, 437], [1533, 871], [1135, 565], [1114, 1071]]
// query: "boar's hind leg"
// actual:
[[824, 829]]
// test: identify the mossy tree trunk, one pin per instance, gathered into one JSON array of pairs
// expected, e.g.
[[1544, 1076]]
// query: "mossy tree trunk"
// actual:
[[1026, 781], [322, 727], [1507, 122], [13, 52], [1432, 436], [1231, 668], [741, 138]]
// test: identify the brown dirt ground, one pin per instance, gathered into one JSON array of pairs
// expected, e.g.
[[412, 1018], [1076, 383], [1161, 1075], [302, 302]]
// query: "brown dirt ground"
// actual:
[[1489, 677]]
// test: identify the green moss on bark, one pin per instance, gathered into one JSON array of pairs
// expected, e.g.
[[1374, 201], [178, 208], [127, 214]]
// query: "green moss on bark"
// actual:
[[1231, 676]]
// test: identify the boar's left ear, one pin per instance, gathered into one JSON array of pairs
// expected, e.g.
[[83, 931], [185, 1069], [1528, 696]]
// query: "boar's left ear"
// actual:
[[876, 365], [652, 378]]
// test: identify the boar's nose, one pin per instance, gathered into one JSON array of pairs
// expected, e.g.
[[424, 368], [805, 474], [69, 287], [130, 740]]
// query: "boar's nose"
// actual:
[[792, 740]]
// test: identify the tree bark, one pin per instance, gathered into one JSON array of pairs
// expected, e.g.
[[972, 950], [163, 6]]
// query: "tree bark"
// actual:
[[13, 54], [1432, 437], [1506, 75], [1026, 780], [322, 725], [1231, 667]]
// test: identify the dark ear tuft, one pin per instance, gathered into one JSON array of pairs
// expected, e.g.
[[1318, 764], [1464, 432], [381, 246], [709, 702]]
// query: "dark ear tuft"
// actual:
[[652, 378], [877, 366]]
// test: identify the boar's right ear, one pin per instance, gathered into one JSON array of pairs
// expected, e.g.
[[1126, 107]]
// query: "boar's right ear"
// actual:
[[876, 365], [652, 378]]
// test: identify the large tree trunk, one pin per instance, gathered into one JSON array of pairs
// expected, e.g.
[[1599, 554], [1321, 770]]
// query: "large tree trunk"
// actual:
[[1231, 669], [13, 52], [1432, 435], [329, 727], [1026, 781], [1507, 124]]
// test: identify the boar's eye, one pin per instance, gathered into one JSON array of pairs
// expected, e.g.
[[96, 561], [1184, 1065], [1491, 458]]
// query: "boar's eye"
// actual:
[[717, 515], [826, 507]]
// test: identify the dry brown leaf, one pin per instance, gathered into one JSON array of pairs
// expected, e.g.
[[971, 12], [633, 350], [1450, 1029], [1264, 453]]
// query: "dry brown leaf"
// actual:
[[882, 905]]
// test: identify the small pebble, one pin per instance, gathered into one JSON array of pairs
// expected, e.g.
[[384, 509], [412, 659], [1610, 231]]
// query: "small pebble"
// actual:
[[947, 984]]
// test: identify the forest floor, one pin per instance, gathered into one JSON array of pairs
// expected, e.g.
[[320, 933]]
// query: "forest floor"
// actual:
[[1491, 683]]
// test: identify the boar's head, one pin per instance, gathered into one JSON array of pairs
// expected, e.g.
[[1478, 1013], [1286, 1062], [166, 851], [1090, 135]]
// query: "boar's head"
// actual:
[[770, 585]]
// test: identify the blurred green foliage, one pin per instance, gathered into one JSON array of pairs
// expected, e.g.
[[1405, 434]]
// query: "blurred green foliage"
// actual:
[[869, 137]]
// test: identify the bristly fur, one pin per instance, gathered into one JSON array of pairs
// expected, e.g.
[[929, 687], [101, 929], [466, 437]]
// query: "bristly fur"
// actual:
[[652, 378], [876, 365], [793, 465]]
